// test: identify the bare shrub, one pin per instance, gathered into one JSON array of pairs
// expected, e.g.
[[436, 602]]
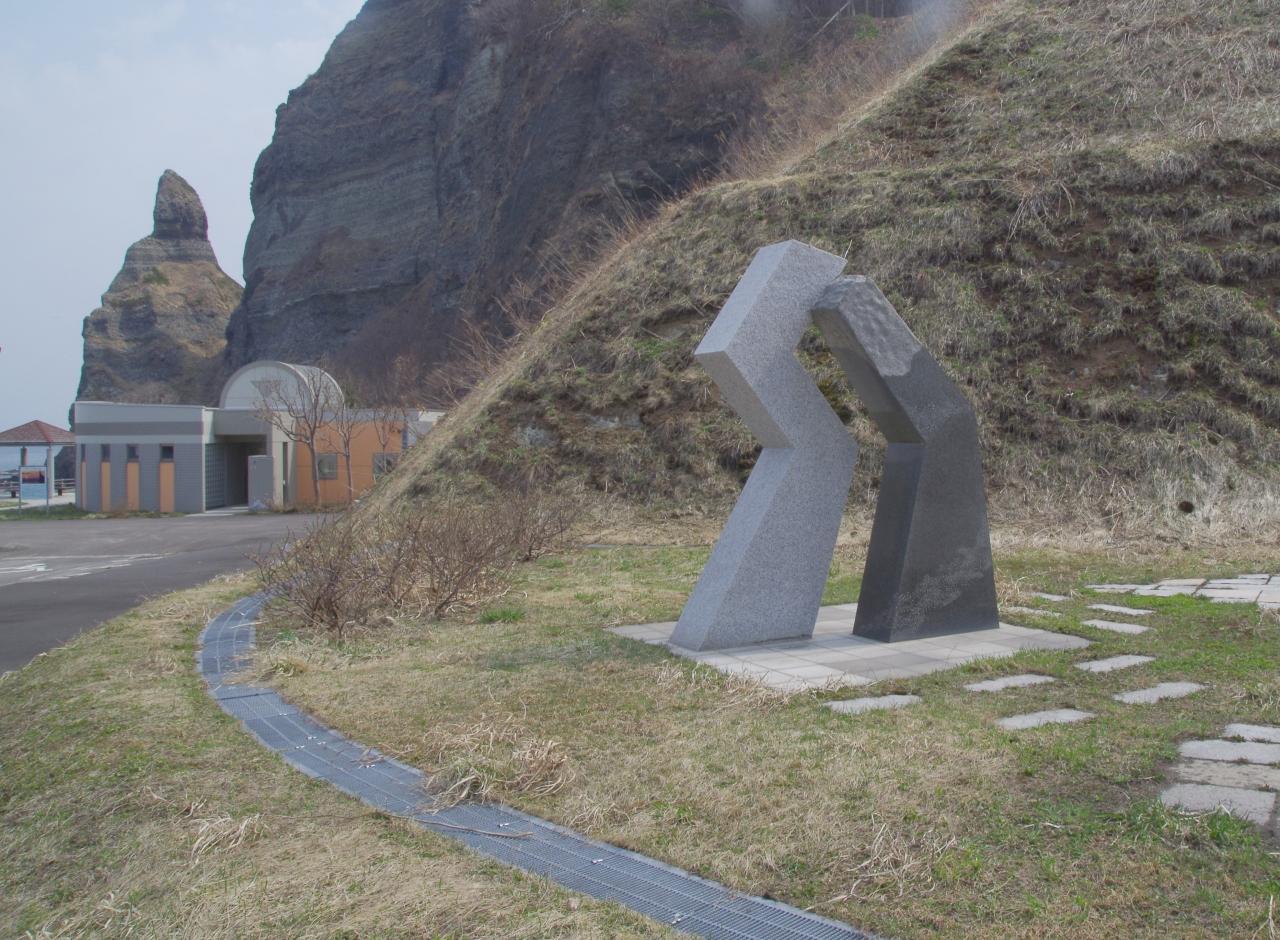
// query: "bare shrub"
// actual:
[[424, 560]]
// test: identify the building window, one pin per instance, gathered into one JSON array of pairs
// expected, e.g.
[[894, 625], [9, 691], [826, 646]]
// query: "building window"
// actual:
[[384, 464], [327, 466], [131, 453], [166, 451], [106, 453]]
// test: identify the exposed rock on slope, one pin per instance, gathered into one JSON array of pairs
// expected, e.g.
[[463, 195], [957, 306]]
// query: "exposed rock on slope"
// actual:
[[1075, 208], [453, 157], [161, 329]]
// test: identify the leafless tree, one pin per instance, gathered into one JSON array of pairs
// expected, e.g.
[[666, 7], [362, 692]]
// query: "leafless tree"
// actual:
[[300, 408]]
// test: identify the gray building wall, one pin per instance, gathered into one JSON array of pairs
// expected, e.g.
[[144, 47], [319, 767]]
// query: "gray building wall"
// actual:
[[188, 478], [149, 477]]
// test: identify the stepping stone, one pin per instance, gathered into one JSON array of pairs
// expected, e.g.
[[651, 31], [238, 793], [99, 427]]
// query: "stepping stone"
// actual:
[[1116, 627], [1267, 733], [1165, 590], [1049, 597], [1056, 716], [857, 706], [1158, 693], [1115, 588], [1246, 776], [1032, 612], [1124, 611], [1112, 663], [1254, 806], [1009, 682], [1248, 752]]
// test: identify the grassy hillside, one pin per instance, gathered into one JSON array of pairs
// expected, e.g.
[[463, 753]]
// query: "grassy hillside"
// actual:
[[1075, 205]]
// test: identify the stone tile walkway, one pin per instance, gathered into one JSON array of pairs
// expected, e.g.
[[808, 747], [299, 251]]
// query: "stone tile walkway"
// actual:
[[1055, 716], [1009, 682], [1239, 772], [834, 657], [1158, 693], [1116, 626], [1261, 589], [1112, 663], [873, 703]]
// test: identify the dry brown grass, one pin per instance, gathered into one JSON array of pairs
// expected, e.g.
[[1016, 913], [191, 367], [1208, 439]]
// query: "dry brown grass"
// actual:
[[921, 823], [133, 807]]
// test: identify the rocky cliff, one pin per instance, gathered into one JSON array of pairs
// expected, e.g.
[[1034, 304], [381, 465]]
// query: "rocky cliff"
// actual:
[[454, 159], [161, 329]]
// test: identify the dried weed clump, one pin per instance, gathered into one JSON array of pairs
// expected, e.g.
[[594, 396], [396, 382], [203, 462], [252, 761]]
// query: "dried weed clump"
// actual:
[[488, 758], [356, 571]]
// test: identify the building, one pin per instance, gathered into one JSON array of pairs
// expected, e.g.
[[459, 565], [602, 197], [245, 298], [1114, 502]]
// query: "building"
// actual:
[[250, 450]]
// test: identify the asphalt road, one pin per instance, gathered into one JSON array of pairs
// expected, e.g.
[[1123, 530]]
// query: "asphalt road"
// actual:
[[60, 578]]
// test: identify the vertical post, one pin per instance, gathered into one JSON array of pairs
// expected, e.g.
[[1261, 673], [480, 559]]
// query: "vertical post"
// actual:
[[48, 480]]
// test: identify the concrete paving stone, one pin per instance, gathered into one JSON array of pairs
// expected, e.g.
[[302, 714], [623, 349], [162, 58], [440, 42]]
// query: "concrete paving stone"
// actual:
[[1162, 591], [1181, 582], [857, 706], [1158, 693], [1265, 733], [1049, 597], [1255, 806], [1125, 611], [1247, 776], [1009, 682], [1055, 716], [1033, 612], [1112, 663], [1233, 600], [1248, 752], [1115, 588], [814, 672], [1115, 626]]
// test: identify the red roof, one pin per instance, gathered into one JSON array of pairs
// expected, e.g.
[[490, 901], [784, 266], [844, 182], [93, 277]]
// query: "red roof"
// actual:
[[36, 434]]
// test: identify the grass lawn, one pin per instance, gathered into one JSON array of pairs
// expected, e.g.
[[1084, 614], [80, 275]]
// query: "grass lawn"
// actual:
[[925, 822], [131, 806]]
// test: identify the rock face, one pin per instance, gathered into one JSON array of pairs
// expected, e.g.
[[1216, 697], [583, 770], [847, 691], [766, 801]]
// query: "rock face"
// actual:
[[161, 329], [451, 152]]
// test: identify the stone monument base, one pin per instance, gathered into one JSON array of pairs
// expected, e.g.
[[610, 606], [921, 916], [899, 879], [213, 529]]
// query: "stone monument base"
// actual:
[[833, 657]]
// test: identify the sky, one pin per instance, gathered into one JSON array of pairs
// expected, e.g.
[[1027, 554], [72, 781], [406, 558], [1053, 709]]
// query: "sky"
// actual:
[[97, 99]]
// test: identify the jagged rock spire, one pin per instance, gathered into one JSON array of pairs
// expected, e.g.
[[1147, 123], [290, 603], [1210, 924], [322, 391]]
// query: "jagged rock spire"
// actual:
[[179, 212]]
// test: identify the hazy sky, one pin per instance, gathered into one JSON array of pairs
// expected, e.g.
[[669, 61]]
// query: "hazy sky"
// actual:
[[97, 98]]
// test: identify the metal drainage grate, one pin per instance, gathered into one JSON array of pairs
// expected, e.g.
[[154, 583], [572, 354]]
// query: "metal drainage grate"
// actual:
[[670, 895]]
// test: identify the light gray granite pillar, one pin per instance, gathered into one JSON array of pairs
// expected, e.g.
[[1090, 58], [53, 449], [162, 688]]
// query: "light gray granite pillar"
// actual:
[[929, 569], [766, 574]]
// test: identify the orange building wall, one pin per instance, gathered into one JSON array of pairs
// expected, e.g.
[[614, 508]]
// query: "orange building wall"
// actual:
[[132, 494], [364, 444]]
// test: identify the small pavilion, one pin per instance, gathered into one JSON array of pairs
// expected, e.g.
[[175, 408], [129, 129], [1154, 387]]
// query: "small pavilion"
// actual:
[[38, 434]]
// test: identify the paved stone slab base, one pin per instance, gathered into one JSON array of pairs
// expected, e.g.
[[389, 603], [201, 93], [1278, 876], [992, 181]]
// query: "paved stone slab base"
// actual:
[[1248, 752], [1266, 733], [1114, 626], [834, 657], [1056, 716], [1158, 693], [857, 706], [1256, 806], [1246, 776], [1049, 597], [1123, 611], [1009, 682], [1112, 663]]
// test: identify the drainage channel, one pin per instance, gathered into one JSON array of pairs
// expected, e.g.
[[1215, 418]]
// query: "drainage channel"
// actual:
[[663, 892]]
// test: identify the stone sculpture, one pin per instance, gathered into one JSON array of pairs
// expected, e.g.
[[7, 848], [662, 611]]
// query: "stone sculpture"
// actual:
[[929, 569], [765, 577]]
